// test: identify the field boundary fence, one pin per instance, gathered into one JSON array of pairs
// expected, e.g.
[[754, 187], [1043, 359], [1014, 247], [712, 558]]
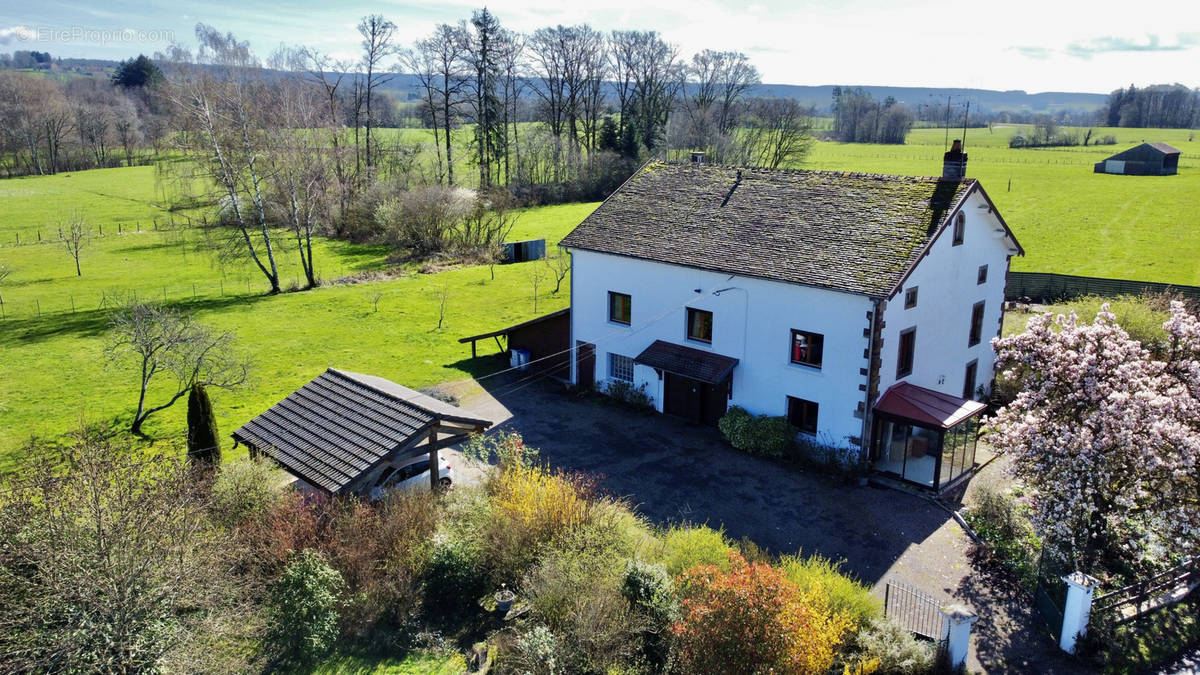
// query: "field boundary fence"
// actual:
[[52, 233], [1052, 287]]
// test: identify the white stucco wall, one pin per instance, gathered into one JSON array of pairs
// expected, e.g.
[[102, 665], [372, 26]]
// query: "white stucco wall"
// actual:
[[752, 322], [946, 294]]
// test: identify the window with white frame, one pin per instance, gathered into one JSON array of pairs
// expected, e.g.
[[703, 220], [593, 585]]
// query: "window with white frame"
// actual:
[[620, 367]]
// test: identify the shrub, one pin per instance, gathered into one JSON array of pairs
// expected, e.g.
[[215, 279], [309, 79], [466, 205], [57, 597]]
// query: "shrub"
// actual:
[[650, 592], [762, 435], [242, 490], [440, 394], [536, 652], [686, 547], [626, 393], [303, 606], [821, 576], [577, 593], [752, 619], [530, 508], [889, 648], [454, 579], [507, 447], [1003, 524]]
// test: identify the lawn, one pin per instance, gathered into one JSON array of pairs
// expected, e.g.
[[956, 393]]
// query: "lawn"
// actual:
[[52, 366], [420, 663], [1069, 219]]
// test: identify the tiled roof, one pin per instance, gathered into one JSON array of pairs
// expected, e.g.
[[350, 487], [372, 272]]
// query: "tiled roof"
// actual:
[[854, 232], [926, 406], [687, 361], [342, 424]]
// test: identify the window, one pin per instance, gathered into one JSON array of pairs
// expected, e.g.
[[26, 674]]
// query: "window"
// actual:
[[908, 347], [969, 380], [807, 348], [910, 298], [960, 227], [620, 367], [976, 325], [699, 325], [982, 277], [620, 308], [802, 414]]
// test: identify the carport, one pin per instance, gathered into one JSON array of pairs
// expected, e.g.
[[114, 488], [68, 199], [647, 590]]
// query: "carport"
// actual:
[[342, 431]]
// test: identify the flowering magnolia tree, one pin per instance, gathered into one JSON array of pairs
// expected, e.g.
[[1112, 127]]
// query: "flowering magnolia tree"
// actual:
[[1107, 438]]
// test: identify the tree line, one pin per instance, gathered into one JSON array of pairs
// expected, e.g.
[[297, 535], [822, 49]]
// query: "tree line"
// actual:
[[48, 126], [1168, 106]]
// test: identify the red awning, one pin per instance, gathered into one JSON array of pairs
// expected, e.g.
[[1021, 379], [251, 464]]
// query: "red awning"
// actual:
[[927, 407]]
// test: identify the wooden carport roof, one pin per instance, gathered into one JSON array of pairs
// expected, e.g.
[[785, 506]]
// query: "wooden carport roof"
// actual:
[[342, 425]]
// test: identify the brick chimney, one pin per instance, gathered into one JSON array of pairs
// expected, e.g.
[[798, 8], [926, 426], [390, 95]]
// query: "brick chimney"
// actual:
[[954, 163]]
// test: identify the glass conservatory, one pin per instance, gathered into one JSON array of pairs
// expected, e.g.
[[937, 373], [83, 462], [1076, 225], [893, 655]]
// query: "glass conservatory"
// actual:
[[924, 436]]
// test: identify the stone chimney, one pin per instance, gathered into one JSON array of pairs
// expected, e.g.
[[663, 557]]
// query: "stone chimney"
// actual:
[[954, 163]]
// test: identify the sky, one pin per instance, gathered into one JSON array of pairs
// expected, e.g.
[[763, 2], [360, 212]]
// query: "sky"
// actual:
[[1033, 45]]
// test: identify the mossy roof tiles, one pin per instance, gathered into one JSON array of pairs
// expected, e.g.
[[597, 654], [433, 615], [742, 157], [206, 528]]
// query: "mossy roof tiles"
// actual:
[[852, 232]]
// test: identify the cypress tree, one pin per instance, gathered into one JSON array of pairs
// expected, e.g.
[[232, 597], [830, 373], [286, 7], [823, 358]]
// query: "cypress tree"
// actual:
[[203, 440]]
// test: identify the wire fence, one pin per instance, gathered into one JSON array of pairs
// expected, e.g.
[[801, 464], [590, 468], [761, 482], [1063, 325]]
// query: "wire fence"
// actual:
[[53, 234]]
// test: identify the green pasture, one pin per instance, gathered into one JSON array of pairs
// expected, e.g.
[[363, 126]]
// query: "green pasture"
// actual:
[[52, 366], [1069, 219]]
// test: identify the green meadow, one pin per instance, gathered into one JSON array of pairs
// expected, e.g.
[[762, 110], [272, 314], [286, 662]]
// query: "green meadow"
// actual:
[[52, 365], [53, 330]]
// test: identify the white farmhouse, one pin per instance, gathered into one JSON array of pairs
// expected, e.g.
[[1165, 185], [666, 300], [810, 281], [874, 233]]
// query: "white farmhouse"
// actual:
[[860, 306]]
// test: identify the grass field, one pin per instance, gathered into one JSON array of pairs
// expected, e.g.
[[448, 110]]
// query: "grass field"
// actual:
[[1069, 220], [52, 335], [52, 367]]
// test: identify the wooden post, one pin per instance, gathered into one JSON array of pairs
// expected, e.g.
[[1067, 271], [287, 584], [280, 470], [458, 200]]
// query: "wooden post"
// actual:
[[433, 460]]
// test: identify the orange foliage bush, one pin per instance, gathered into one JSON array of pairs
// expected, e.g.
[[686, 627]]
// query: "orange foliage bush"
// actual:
[[751, 619]]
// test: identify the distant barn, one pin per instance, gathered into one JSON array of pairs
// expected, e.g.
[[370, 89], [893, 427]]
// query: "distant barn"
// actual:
[[1147, 159]]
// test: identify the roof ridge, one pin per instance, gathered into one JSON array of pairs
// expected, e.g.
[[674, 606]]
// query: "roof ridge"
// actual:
[[822, 172]]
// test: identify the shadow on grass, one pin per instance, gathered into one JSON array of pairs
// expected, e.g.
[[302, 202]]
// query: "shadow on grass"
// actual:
[[357, 257], [94, 322]]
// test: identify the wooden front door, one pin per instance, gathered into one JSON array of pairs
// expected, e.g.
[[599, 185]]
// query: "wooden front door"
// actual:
[[585, 364], [716, 400], [682, 397]]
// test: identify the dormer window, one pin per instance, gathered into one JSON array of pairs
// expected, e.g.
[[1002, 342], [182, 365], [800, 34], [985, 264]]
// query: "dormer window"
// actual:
[[960, 227]]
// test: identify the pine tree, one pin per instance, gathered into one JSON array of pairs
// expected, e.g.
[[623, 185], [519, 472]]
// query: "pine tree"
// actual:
[[203, 440]]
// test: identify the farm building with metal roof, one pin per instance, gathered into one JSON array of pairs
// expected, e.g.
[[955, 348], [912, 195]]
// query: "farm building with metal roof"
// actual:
[[1147, 159]]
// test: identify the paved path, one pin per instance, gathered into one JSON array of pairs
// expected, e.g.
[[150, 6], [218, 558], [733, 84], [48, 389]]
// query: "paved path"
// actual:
[[675, 472]]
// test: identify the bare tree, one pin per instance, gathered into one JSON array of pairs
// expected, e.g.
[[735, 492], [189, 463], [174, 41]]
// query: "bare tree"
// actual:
[[649, 78], [328, 74], [377, 34], [559, 266], [219, 97], [108, 566], [161, 341], [780, 131], [443, 295], [440, 59], [536, 275], [75, 235]]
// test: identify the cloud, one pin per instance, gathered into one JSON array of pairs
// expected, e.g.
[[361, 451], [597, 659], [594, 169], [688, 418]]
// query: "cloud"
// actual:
[[1110, 44], [15, 34], [1039, 53]]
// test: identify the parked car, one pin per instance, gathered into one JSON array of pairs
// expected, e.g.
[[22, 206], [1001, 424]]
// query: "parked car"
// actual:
[[411, 476]]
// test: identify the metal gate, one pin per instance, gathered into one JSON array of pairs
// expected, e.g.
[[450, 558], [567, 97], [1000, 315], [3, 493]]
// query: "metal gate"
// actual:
[[917, 612], [1050, 591]]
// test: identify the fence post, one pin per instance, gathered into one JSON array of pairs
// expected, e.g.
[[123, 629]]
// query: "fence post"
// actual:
[[956, 632], [1078, 609]]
